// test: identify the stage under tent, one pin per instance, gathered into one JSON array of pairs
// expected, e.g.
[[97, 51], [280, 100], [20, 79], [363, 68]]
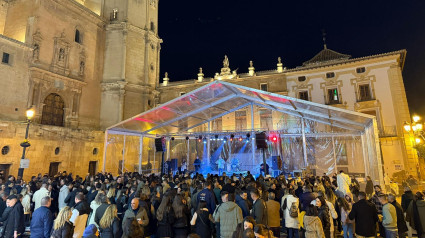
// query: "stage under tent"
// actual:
[[217, 124]]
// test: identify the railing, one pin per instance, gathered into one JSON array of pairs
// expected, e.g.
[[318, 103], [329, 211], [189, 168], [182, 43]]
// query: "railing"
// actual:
[[388, 131]]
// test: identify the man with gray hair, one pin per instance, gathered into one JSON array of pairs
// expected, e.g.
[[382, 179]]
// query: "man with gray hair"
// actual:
[[388, 217], [42, 219], [401, 222]]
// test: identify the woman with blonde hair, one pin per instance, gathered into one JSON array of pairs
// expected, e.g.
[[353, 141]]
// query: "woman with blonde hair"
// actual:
[[62, 227], [111, 195], [26, 203], [109, 225]]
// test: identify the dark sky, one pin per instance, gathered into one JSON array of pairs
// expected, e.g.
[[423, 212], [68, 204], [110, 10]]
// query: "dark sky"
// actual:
[[198, 33]]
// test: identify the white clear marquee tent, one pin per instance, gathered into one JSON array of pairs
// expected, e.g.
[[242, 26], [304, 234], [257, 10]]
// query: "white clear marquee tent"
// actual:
[[311, 136]]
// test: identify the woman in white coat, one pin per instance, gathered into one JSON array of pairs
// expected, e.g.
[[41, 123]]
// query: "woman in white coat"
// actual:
[[291, 222]]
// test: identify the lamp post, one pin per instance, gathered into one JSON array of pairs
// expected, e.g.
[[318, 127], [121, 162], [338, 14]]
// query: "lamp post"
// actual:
[[416, 128], [30, 114]]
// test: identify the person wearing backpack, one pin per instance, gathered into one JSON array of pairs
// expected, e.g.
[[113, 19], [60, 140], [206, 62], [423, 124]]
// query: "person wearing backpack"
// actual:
[[291, 213], [273, 214]]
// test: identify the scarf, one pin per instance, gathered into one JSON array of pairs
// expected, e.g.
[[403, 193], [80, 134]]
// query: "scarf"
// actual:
[[416, 219]]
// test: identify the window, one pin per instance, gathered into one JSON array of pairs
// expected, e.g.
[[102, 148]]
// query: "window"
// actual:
[[364, 92], [240, 120], [217, 124], [6, 58], [57, 150], [95, 151], [360, 70], [182, 93], [266, 121], [5, 150], [303, 95], [301, 79], [77, 36], [114, 14], [333, 96], [53, 110], [152, 26], [264, 87], [330, 75]]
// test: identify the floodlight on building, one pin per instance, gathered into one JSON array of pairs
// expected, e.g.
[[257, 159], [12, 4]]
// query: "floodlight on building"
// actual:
[[406, 126], [416, 118]]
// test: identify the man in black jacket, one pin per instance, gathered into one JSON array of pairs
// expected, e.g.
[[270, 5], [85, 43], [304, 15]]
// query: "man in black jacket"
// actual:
[[401, 222], [259, 210], [93, 195], [365, 215], [14, 225]]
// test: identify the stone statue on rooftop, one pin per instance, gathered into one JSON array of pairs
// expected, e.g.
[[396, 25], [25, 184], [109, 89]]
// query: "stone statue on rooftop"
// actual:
[[226, 62]]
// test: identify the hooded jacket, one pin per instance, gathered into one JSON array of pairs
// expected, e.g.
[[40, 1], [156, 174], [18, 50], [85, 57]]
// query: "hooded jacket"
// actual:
[[229, 214], [313, 227], [243, 205]]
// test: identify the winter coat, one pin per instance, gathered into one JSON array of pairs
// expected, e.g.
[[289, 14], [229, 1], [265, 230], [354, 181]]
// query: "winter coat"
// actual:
[[421, 211], [243, 205], [66, 231], [15, 221], [63, 193], [40, 194], [229, 214], [114, 231], [93, 205], [129, 216], [41, 222], [401, 222], [289, 221], [259, 212], [165, 225], [365, 215], [406, 198], [203, 224], [343, 181], [325, 219], [305, 200], [313, 227], [207, 196], [26, 204], [273, 213], [369, 187]]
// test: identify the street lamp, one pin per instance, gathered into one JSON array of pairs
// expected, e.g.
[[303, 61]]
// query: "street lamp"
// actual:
[[30, 115]]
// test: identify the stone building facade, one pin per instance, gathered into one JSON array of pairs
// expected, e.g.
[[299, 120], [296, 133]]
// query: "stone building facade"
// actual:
[[84, 65]]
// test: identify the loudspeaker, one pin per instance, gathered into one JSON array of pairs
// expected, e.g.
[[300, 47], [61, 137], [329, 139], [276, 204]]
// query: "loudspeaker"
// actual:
[[260, 139], [159, 144], [174, 165], [276, 163]]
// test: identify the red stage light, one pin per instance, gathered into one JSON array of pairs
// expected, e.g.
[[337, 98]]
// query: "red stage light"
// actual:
[[274, 138]]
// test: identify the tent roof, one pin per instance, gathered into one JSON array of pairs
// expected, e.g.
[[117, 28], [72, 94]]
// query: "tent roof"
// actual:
[[219, 98]]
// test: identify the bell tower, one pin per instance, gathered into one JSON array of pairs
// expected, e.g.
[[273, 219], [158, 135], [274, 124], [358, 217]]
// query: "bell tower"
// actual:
[[131, 59]]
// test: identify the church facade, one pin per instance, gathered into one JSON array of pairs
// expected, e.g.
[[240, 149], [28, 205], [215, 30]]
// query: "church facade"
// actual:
[[84, 65]]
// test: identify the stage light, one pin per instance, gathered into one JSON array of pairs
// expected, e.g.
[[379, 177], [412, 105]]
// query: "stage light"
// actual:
[[225, 139], [232, 136], [240, 138], [187, 137], [172, 138], [205, 140], [274, 138]]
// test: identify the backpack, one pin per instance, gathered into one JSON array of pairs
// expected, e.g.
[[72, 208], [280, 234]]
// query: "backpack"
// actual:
[[293, 210]]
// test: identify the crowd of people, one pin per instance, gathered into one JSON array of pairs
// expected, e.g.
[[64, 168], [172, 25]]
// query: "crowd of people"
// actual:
[[183, 205]]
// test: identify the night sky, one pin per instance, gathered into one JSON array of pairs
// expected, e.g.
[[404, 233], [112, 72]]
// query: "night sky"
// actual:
[[198, 33]]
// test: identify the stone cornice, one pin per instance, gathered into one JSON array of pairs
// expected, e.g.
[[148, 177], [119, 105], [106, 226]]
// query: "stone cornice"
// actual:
[[18, 43], [78, 9], [47, 75]]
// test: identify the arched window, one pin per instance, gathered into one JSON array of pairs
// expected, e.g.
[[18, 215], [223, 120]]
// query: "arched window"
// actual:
[[53, 110], [152, 26], [77, 36]]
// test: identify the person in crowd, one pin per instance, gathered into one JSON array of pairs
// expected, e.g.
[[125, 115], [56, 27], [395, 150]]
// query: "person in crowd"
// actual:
[[401, 222], [228, 214], [42, 219], [406, 198], [261, 231], [247, 223], [92, 196], [291, 213], [132, 229], [182, 216], [312, 223], [165, 217], [365, 215], [273, 214], [347, 224], [389, 217], [241, 200], [3, 198], [378, 205], [208, 196], [90, 231], [80, 213], [62, 227], [40, 194], [100, 210], [138, 212], [306, 197], [323, 213], [54, 194], [110, 225], [202, 220], [14, 226], [343, 181], [259, 211], [26, 204], [369, 187], [63, 193], [95, 204], [415, 214]]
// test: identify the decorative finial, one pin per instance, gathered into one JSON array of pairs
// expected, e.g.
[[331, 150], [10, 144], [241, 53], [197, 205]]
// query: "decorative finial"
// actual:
[[279, 65], [200, 75], [251, 68], [324, 38], [165, 79]]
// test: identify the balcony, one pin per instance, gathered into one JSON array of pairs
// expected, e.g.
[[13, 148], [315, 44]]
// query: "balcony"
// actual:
[[387, 131]]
